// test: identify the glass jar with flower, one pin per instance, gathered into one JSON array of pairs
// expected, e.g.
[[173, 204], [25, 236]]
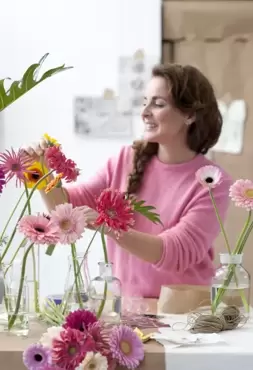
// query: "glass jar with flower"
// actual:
[[231, 282]]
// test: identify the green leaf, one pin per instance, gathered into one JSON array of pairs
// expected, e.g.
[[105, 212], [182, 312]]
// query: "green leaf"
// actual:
[[50, 249], [28, 81], [146, 211]]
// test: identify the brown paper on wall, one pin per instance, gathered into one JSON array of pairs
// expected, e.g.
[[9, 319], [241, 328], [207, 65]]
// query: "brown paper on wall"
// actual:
[[229, 66], [206, 19]]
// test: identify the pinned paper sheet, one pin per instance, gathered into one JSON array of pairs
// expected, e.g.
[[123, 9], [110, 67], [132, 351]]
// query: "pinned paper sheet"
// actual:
[[232, 135]]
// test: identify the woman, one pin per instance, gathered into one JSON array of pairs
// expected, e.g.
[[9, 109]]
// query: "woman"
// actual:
[[182, 122]]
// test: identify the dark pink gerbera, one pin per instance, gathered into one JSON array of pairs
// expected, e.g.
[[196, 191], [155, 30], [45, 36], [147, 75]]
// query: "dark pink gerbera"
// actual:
[[70, 350], [2, 180], [115, 211], [80, 320], [57, 161], [15, 164]]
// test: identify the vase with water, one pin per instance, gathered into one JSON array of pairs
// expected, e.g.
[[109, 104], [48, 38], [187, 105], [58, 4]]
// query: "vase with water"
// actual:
[[231, 285], [105, 294]]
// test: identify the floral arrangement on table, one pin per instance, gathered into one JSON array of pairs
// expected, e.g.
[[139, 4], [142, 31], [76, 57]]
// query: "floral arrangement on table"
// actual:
[[241, 193], [83, 342]]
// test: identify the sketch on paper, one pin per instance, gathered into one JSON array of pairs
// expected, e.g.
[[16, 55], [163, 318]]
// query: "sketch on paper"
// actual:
[[232, 135], [134, 73], [99, 117]]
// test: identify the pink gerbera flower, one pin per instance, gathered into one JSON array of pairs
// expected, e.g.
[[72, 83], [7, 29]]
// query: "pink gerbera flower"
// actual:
[[15, 164], [36, 357], [209, 176], [115, 211], [57, 161], [241, 192], [80, 320], [71, 348], [126, 347], [70, 221], [2, 180], [39, 229]]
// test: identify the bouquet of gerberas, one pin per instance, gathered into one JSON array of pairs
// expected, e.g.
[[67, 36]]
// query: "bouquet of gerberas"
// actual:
[[65, 224], [241, 192], [83, 342]]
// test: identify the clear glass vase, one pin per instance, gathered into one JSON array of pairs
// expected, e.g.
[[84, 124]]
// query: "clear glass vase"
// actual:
[[76, 290], [9, 308], [105, 294], [231, 285], [33, 280]]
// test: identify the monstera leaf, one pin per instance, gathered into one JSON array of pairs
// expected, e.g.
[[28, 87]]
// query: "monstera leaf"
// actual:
[[29, 80]]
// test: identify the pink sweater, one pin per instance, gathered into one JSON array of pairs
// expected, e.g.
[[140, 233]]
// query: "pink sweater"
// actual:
[[190, 225]]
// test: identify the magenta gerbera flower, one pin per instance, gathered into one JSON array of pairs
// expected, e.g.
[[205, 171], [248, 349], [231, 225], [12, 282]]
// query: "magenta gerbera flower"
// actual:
[[70, 349], [241, 192], [126, 347], [115, 211], [39, 229], [70, 222], [80, 320], [15, 164], [209, 176], [2, 180], [57, 161], [36, 357]]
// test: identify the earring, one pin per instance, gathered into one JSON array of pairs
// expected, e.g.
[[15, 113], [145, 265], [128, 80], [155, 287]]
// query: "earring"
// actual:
[[188, 122]]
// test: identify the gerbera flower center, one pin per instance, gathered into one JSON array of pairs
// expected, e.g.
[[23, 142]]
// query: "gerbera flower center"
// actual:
[[92, 365], [249, 193], [111, 213], [39, 229], [34, 176], [65, 224], [209, 180], [15, 167], [72, 351], [38, 357], [125, 347]]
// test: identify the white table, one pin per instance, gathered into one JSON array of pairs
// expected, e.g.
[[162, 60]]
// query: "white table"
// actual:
[[236, 353]]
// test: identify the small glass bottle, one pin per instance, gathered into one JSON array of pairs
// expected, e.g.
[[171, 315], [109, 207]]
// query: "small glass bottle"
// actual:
[[105, 294], [231, 284], [76, 290]]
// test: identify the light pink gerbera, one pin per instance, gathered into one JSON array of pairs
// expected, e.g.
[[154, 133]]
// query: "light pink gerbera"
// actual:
[[15, 164], [115, 211], [126, 347], [241, 192], [209, 176], [70, 349], [70, 221], [39, 229], [57, 161]]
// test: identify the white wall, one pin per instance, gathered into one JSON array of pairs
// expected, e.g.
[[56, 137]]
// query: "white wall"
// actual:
[[89, 35]]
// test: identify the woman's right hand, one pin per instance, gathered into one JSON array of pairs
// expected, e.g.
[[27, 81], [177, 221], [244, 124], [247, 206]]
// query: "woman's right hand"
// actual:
[[36, 150]]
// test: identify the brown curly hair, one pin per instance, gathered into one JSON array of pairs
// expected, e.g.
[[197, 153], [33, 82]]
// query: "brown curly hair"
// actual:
[[192, 94]]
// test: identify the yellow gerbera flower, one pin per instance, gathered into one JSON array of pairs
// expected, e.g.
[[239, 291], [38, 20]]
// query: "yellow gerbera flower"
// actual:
[[38, 171], [50, 140]]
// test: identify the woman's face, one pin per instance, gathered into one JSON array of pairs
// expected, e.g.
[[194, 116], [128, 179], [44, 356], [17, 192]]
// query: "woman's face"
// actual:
[[164, 124]]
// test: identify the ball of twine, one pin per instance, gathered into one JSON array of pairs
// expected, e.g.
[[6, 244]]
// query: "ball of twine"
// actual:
[[229, 319]]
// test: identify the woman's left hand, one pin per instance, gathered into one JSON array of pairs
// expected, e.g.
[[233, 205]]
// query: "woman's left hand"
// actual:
[[90, 217]]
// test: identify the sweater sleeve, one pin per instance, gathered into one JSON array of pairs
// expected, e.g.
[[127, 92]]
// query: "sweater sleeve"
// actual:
[[187, 243]]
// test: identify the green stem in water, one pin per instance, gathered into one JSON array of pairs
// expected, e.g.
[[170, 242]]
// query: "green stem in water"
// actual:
[[22, 213], [74, 260], [220, 221], [21, 285], [35, 281], [102, 305]]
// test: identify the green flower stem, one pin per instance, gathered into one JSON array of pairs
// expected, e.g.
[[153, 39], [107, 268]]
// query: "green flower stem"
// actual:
[[102, 305], [77, 273], [22, 213], [74, 260], [35, 281], [13, 317], [220, 221], [11, 215], [246, 225], [22, 245]]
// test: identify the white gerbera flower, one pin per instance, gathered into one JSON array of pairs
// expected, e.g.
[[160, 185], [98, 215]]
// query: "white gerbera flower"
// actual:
[[52, 333], [209, 176], [93, 361]]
